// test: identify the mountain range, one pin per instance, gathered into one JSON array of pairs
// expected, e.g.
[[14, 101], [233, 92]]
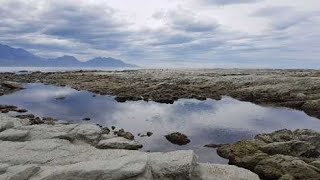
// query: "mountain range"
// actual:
[[19, 57]]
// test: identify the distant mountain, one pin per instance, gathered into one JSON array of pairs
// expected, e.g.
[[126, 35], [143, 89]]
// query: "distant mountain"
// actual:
[[19, 57], [12, 56]]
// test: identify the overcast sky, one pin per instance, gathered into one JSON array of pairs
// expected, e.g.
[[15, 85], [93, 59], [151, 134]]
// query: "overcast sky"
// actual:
[[184, 33]]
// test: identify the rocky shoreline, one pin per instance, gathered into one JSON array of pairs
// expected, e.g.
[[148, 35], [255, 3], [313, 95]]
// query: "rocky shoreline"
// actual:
[[283, 155], [298, 89], [75, 152], [31, 148]]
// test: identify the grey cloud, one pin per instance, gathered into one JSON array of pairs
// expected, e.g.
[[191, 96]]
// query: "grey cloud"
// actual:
[[186, 20], [64, 27], [284, 17], [77, 28], [228, 2]]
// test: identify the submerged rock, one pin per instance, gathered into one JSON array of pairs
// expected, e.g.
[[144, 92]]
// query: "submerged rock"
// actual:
[[213, 145], [278, 155], [178, 138], [61, 98]]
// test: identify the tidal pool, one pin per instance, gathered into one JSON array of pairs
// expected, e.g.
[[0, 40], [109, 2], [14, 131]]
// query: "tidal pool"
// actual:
[[204, 122]]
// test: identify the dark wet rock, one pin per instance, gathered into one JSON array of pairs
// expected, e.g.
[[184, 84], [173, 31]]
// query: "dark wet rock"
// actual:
[[213, 145], [61, 98], [4, 111], [165, 101], [279, 155], [127, 135], [121, 130], [86, 119], [113, 127], [49, 119], [120, 99], [178, 138], [12, 85], [105, 130], [149, 134], [25, 116], [21, 110], [37, 120], [7, 108]]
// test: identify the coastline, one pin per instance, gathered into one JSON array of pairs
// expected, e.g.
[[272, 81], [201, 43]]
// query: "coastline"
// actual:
[[297, 89]]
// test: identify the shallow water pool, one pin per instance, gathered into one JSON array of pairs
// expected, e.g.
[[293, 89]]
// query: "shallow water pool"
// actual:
[[204, 122]]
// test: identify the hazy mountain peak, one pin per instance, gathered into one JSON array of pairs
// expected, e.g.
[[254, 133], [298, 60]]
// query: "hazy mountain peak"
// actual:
[[19, 57], [7, 52]]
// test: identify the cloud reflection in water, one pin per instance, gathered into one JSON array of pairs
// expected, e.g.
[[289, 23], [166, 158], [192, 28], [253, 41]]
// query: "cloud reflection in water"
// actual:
[[210, 121]]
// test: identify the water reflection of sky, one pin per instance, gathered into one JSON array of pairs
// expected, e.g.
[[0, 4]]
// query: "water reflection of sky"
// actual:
[[210, 121]]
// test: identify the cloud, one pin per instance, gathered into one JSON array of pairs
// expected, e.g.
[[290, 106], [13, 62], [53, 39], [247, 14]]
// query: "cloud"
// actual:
[[188, 21], [153, 33], [284, 17], [228, 2], [58, 25]]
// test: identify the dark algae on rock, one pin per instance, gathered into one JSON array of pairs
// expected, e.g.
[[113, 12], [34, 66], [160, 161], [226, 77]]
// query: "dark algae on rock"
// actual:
[[283, 154]]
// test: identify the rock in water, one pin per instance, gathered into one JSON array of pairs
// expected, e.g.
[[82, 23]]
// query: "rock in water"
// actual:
[[213, 145], [178, 138], [61, 98], [149, 134], [12, 85], [127, 135]]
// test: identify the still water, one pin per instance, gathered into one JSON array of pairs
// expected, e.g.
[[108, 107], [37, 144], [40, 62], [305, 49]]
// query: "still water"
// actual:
[[204, 122]]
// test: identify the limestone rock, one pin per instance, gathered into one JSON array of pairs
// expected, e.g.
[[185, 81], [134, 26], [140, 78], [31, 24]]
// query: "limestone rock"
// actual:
[[172, 165], [13, 135], [223, 172], [119, 143], [6, 125]]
